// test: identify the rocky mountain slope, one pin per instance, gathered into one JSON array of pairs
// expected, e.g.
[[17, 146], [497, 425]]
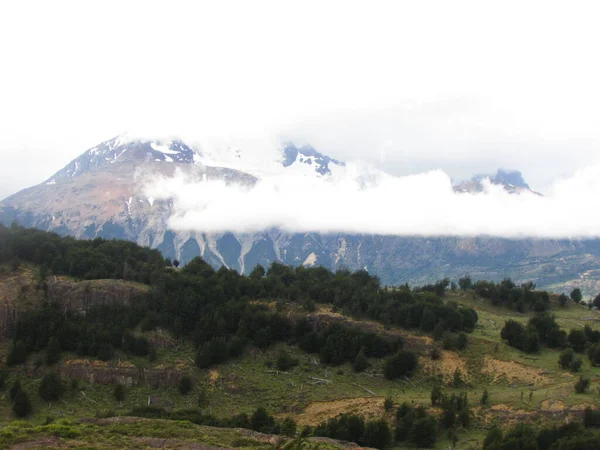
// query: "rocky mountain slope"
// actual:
[[101, 194]]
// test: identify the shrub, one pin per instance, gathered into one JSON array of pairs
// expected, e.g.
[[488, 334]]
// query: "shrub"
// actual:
[[484, 397], [185, 385], [424, 432], [119, 392], [388, 404], [575, 365], [582, 385], [565, 358], [22, 406], [360, 363], [51, 387], [284, 361], [377, 434], [402, 364]]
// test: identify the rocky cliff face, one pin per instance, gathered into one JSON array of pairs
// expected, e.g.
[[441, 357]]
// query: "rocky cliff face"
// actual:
[[101, 194]]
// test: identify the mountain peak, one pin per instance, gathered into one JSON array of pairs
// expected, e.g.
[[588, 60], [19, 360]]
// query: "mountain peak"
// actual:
[[511, 180], [124, 148], [308, 155]]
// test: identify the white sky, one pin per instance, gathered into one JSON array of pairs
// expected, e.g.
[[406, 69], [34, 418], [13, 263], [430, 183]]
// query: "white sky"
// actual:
[[462, 86]]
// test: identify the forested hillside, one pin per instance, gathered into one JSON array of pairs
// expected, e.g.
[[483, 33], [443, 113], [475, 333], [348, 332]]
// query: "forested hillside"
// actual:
[[297, 353]]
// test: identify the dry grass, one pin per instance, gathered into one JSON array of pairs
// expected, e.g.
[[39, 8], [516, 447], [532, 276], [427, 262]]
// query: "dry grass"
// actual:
[[445, 367], [513, 372], [315, 413]]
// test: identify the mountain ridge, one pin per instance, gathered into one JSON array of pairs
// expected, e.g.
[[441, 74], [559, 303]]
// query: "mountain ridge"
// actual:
[[100, 194]]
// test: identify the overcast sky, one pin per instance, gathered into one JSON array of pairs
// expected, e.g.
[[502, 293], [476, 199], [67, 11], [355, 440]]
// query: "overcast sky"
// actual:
[[462, 86]]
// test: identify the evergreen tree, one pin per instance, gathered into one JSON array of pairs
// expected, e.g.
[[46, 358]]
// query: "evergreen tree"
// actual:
[[485, 397], [360, 362], [424, 432], [377, 434], [402, 364], [119, 392], [51, 387], [576, 295], [17, 354], [22, 406], [185, 385], [53, 351]]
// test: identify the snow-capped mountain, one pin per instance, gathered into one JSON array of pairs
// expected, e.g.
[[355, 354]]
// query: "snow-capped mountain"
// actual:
[[102, 194]]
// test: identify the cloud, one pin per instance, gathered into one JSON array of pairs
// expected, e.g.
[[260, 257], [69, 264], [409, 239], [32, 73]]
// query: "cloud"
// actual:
[[419, 205]]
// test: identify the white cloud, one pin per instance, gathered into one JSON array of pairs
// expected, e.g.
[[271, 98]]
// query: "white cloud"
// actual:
[[474, 85], [423, 204]]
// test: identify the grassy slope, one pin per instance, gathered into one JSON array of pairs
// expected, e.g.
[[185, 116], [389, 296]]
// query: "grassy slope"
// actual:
[[243, 384]]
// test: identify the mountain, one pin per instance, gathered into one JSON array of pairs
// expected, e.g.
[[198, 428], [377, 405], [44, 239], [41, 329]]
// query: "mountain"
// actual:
[[101, 194]]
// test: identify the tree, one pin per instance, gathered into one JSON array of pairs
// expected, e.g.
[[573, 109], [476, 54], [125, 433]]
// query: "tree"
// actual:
[[576, 295], [51, 387], [464, 417], [565, 358], [562, 299], [485, 397], [493, 439], [436, 395], [377, 434], [402, 364], [22, 406], [17, 354], [360, 363], [575, 365], [582, 385], [284, 361], [185, 385], [53, 351], [577, 340], [14, 390], [424, 432], [176, 263], [261, 420], [465, 282], [288, 427], [119, 392]]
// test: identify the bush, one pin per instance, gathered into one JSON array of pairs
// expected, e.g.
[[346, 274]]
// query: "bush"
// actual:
[[388, 404], [377, 434], [288, 427], [575, 365], [565, 358], [582, 385], [360, 363], [51, 387], [185, 385], [17, 354], [22, 406], [402, 364], [119, 392], [484, 397], [424, 432], [53, 351], [284, 361]]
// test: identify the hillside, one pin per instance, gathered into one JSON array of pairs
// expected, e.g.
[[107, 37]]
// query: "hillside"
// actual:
[[102, 193], [292, 374]]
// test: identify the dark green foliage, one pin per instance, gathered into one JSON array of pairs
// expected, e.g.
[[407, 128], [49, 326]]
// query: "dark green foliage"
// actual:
[[423, 433], [388, 404], [563, 299], [21, 406], [575, 364], [565, 358], [582, 385], [262, 421], [402, 364], [119, 392], [594, 354], [484, 397], [17, 354], [577, 340], [185, 385], [345, 427], [436, 395], [51, 387], [14, 390], [360, 362], [284, 361], [510, 295], [377, 434], [465, 283], [493, 440], [288, 427], [576, 295], [53, 351]]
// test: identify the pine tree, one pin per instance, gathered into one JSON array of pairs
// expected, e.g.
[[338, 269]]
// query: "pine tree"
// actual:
[[119, 392], [360, 363], [484, 397], [53, 351], [22, 406], [51, 387]]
